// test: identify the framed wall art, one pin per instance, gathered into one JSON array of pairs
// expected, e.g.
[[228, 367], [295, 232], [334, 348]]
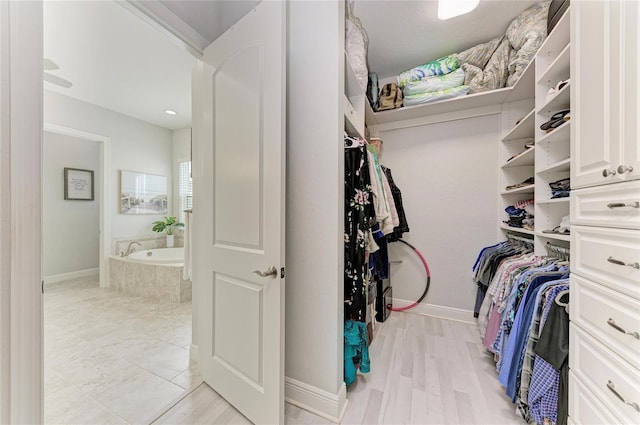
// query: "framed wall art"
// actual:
[[78, 184], [142, 193]]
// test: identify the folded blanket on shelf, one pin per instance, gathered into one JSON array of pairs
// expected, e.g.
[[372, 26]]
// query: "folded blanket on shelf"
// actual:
[[419, 99], [440, 66], [435, 83]]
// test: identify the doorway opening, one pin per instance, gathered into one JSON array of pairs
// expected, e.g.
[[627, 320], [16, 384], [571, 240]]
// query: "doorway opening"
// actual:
[[112, 354]]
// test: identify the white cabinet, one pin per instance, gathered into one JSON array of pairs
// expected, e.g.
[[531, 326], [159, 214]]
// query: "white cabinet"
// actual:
[[604, 358], [604, 56]]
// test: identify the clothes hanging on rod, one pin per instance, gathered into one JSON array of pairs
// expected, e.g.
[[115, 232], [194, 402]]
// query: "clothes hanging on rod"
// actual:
[[518, 299]]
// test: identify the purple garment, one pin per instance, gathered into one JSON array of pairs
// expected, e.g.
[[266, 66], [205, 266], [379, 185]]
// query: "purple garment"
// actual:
[[493, 326]]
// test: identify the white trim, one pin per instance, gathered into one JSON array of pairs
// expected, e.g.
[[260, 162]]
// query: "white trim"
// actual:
[[481, 111], [440, 311], [21, 324], [315, 400], [71, 275], [105, 192], [168, 23]]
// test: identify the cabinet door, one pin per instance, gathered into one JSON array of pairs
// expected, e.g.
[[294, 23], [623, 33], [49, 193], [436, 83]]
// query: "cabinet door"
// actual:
[[595, 74], [630, 164]]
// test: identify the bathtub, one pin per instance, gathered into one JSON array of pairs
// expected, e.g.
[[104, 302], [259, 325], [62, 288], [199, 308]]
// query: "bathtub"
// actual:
[[158, 256], [154, 273]]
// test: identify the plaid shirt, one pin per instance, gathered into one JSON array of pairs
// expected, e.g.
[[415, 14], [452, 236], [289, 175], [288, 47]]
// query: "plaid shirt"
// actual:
[[534, 333], [545, 380]]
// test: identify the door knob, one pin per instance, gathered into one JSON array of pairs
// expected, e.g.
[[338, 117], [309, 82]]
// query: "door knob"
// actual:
[[271, 272], [607, 173], [623, 169]]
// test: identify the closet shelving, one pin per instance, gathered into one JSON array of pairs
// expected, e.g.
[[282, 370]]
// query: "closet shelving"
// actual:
[[521, 90], [525, 158], [523, 129], [354, 101], [517, 230], [525, 189], [552, 149]]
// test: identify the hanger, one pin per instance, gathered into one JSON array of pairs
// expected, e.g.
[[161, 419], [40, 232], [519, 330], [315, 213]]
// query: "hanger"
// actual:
[[559, 301]]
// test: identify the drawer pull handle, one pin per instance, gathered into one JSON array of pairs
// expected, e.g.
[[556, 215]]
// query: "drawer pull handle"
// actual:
[[607, 173], [612, 388], [622, 263], [623, 169], [622, 205], [619, 328]]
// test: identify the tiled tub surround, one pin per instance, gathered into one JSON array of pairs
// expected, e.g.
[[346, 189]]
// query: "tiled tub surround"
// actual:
[[162, 282], [147, 241]]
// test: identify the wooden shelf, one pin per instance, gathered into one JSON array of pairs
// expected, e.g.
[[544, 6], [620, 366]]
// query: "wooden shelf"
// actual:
[[525, 158], [523, 130], [564, 165], [525, 189], [561, 100], [524, 87], [554, 236], [560, 133], [517, 230], [558, 69]]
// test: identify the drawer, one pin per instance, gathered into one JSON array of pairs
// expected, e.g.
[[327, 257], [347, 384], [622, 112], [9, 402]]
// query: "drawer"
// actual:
[[603, 372], [612, 205], [606, 315], [596, 251], [584, 407]]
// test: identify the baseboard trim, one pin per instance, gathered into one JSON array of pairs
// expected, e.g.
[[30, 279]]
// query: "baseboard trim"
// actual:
[[315, 400], [440, 311], [71, 275]]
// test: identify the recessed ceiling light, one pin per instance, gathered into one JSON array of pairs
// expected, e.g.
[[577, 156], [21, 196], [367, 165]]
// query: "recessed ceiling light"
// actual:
[[448, 9], [170, 112]]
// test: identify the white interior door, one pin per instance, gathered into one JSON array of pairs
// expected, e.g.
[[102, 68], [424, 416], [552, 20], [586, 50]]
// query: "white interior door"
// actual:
[[238, 212]]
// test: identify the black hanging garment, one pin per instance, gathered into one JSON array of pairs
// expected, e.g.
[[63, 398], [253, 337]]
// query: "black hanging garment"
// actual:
[[359, 217], [403, 227]]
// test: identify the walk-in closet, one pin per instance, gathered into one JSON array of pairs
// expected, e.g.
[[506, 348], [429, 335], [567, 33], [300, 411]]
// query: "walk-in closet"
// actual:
[[519, 186]]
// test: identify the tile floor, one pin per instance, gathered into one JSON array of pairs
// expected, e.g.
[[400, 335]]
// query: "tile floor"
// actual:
[[111, 358]]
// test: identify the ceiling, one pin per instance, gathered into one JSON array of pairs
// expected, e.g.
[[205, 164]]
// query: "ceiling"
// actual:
[[119, 62], [404, 34]]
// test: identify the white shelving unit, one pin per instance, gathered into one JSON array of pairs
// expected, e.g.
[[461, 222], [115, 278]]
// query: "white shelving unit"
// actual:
[[354, 101], [552, 152], [549, 159]]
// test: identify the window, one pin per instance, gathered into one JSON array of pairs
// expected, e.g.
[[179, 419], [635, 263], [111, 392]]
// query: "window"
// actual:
[[185, 191]]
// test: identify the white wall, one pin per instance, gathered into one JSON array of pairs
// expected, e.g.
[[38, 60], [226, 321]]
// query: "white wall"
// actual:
[[70, 228], [314, 222], [448, 175], [135, 146]]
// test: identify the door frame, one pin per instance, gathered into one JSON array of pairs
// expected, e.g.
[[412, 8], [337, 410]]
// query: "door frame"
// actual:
[[104, 144], [21, 128]]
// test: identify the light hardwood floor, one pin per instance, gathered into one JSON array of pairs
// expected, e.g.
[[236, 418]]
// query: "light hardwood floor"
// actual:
[[424, 370]]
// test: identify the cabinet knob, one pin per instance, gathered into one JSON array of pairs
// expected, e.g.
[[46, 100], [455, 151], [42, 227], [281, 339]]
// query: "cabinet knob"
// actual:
[[607, 173], [623, 169]]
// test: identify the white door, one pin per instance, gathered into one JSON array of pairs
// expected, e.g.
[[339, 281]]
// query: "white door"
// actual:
[[630, 137], [238, 211], [596, 73]]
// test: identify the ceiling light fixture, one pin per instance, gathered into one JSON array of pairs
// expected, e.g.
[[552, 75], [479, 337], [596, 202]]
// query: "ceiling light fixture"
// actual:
[[170, 112], [448, 9]]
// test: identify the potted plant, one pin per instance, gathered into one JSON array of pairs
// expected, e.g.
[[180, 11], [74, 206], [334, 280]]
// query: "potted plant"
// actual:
[[167, 225]]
